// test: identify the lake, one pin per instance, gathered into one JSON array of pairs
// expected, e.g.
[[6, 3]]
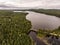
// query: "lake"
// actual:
[[42, 21]]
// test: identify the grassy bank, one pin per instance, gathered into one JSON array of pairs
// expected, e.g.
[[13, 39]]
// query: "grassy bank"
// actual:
[[14, 28], [43, 33]]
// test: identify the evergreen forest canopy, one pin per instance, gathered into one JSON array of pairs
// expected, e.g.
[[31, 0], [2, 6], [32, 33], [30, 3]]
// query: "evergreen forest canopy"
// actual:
[[14, 28]]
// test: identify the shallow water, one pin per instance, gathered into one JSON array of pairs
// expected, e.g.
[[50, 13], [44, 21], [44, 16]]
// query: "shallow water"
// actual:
[[42, 21], [37, 40]]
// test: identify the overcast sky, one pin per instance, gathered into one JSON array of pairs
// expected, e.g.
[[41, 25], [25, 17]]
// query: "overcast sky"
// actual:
[[32, 3]]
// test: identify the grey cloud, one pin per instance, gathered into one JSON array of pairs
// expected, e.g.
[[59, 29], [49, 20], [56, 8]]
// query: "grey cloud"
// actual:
[[31, 4]]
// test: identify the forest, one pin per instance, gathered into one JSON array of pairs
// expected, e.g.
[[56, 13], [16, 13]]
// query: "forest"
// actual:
[[14, 28]]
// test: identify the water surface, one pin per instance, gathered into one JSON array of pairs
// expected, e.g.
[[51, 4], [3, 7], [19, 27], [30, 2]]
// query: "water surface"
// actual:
[[42, 21]]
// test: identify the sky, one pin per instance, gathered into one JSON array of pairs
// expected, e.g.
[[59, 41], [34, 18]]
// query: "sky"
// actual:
[[30, 3]]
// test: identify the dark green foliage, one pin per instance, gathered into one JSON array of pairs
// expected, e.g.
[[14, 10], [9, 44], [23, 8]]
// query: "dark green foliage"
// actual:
[[5, 12], [20, 39], [13, 29]]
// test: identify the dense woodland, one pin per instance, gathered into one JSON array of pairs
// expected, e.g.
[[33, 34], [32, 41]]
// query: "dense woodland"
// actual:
[[14, 28]]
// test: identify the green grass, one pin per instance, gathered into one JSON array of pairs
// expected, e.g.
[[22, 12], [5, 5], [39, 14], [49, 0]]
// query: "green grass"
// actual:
[[14, 28], [56, 31], [43, 33]]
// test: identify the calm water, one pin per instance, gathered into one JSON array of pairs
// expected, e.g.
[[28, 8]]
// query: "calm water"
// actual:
[[42, 21]]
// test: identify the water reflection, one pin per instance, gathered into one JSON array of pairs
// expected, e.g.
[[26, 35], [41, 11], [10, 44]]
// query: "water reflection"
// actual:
[[42, 21]]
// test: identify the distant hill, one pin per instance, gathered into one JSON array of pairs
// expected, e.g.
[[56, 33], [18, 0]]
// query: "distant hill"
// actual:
[[53, 12]]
